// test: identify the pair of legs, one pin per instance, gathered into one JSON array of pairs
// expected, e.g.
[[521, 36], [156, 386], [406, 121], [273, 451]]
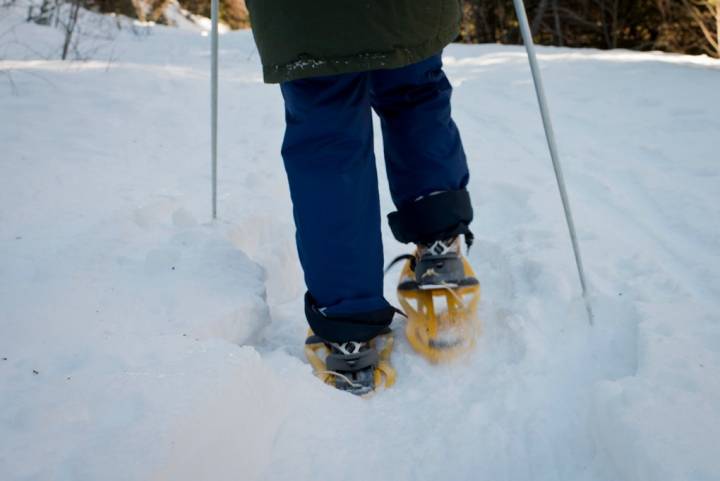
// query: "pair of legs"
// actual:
[[330, 163]]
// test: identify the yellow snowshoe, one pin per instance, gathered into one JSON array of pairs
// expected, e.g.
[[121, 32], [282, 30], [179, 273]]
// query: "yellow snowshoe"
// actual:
[[360, 368], [439, 293]]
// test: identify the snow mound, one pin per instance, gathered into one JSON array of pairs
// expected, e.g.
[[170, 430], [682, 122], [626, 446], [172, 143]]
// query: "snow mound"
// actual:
[[115, 334]]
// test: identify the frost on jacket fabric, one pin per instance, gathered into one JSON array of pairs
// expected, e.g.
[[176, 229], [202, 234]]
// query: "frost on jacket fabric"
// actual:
[[298, 39]]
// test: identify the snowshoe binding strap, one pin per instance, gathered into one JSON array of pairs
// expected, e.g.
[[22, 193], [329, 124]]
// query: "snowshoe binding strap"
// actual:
[[351, 357], [403, 257], [435, 265]]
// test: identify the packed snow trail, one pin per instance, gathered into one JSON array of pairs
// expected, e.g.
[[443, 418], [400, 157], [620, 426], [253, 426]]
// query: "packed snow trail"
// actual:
[[136, 338]]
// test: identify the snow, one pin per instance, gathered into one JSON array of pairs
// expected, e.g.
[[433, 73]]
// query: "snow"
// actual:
[[142, 341]]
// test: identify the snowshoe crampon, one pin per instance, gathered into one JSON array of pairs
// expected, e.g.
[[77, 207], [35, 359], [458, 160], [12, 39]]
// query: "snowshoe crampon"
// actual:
[[442, 322], [360, 373]]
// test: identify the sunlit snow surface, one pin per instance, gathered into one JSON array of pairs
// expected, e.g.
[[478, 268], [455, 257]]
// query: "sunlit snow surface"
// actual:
[[138, 341]]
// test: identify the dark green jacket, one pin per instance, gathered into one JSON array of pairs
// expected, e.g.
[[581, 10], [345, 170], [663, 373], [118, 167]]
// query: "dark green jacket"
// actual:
[[306, 38]]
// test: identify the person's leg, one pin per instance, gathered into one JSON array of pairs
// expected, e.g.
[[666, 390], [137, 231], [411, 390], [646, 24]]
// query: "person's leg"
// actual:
[[329, 159], [426, 165]]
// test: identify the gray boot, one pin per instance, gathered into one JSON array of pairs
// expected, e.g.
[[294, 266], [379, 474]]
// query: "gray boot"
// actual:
[[352, 363], [437, 265]]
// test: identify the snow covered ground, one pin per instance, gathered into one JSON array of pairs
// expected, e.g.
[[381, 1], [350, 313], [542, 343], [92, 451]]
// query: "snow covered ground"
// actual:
[[140, 341]]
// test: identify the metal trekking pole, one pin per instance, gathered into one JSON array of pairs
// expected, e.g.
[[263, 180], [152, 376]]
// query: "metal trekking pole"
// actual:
[[550, 136], [214, 102]]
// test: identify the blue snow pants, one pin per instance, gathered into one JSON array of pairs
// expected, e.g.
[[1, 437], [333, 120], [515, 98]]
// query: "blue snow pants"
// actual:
[[330, 163]]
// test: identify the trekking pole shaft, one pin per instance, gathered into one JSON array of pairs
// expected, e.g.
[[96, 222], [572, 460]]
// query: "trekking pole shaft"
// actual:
[[552, 146], [214, 103]]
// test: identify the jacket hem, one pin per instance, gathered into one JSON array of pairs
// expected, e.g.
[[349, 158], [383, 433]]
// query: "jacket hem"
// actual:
[[396, 58]]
